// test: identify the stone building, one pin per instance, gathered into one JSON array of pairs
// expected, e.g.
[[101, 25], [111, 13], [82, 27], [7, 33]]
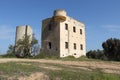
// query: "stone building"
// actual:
[[63, 36]]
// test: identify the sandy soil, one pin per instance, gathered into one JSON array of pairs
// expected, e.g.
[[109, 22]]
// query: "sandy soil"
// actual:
[[107, 67]]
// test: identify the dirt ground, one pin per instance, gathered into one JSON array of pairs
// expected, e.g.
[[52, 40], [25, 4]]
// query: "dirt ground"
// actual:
[[107, 67]]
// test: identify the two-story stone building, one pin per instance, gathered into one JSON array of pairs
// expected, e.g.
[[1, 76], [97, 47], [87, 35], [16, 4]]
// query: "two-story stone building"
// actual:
[[63, 36]]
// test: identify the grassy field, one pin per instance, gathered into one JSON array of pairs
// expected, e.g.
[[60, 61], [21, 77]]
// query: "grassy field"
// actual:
[[28, 70]]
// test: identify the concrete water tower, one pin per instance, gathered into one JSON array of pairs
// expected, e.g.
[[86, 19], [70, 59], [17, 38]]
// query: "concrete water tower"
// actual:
[[59, 15], [21, 31]]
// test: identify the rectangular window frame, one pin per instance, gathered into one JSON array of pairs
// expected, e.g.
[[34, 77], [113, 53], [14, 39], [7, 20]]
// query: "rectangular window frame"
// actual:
[[49, 45], [81, 46], [74, 29], [66, 45], [81, 31], [75, 47], [66, 26]]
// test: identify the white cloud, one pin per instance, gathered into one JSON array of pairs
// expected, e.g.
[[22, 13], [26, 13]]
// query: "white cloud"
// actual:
[[112, 28], [7, 32]]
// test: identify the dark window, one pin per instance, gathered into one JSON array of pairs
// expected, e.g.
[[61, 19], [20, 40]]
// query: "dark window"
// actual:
[[50, 27], [74, 29], [74, 53], [74, 45], [66, 45], [81, 31], [81, 46], [66, 26], [49, 45]]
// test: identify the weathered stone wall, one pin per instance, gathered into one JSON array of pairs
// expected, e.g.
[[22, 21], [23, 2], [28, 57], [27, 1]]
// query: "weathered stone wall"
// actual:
[[52, 36]]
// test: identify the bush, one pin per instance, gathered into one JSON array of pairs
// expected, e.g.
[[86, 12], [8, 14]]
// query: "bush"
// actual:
[[96, 54], [45, 56], [8, 55], [72, 58], [40, 55]]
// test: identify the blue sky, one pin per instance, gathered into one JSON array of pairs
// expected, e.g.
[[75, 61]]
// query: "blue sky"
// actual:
[[101, 17]]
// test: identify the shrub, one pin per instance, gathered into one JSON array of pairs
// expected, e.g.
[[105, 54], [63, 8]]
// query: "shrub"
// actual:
[[8, 55], [96, 54]]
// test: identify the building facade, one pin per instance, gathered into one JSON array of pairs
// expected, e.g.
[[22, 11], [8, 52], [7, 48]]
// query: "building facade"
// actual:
[[63, 36]]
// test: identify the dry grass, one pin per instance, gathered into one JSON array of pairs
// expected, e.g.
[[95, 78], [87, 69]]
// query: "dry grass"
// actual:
[[41, 69]]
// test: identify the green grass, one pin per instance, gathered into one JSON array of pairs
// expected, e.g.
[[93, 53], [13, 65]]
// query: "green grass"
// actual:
[[71, 58], [67, 73], [82, 75], [12, 68]]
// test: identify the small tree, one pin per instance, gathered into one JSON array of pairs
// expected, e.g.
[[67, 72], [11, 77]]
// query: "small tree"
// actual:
[[10, 52], [27, 47], [10, 49], [23, 47]]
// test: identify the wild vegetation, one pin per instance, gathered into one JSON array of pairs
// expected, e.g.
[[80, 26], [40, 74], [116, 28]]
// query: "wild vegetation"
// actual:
[[10, 52], [111, 51], [25, 47], [57, 70], [96, 54]]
